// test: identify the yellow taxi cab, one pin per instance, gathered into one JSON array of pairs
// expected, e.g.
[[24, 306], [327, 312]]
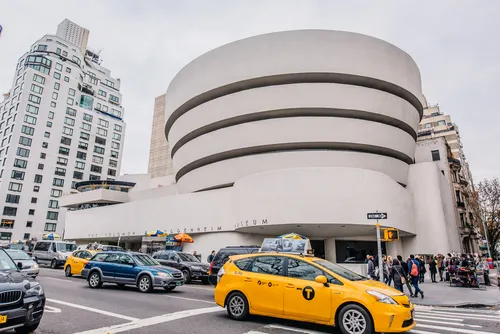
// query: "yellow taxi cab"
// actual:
[[310, 289], [76, 261]]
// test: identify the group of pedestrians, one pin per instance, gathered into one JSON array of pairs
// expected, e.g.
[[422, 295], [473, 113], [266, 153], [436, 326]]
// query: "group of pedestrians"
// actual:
[[398, 272]]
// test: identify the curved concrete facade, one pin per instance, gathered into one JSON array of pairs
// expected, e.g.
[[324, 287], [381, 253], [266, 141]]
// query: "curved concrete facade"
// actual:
[[245, 107]]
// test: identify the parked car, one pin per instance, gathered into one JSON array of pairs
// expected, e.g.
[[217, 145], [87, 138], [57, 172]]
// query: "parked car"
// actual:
[[223, 255], [53, 252], [76, 261], [29, 266], [191, 266], [128, 268], [22, 299]]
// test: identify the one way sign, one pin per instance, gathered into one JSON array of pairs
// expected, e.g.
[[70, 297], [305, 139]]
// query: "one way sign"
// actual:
[[376, 215]]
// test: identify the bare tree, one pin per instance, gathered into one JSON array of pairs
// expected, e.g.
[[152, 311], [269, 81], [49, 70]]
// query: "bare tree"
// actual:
[[489, 200]]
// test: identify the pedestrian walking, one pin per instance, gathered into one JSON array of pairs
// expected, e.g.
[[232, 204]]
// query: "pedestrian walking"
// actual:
[[371, 268], [433, 268], [389, 266], [440, 265], [422, 268], [210, 258], [404, 265], [397, 275], [414, 267]]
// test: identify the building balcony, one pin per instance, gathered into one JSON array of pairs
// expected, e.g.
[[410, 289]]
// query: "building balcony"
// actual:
[[460, 204], [454, 163], [463, 181]]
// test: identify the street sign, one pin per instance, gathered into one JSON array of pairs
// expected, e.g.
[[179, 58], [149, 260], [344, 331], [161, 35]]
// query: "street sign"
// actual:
[[376, 215]]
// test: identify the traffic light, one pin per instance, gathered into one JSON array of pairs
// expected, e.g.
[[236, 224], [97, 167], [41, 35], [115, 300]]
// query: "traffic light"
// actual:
[[391, 234]]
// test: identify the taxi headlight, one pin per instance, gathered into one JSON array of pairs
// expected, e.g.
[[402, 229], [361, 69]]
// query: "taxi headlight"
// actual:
[[162, 274], [35, 290], [381, 297], [35, 266]]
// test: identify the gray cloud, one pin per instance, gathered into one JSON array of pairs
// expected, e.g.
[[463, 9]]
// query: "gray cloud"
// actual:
[[146, 43]]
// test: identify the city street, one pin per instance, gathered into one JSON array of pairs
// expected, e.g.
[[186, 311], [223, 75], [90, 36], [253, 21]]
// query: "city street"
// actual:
[[72, 307]]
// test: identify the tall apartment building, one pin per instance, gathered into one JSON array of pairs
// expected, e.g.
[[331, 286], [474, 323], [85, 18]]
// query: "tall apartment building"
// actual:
[[61, 123], [160, 160], [435, 124], [74, 34]]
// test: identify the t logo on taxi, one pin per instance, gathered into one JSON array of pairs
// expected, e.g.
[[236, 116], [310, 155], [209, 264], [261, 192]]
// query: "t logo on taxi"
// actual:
[[308, 293]]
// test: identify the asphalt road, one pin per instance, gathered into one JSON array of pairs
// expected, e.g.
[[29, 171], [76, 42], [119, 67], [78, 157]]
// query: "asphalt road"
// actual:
[[72, 307]]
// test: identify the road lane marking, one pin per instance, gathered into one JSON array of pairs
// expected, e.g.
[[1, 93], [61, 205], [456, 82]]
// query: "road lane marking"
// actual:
[[153, 321], [59, 279], [50, 309], [437, 318], [192, 299], [457, 330], [463, 316], [416, 331], [198, 288], [91, 309], [292, 329], [444, 322]]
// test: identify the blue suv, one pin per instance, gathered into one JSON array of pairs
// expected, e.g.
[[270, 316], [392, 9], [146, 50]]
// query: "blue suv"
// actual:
[[127, 268]]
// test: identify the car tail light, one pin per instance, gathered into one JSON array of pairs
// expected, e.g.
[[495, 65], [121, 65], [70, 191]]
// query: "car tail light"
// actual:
[[210, 268], [220, 274]]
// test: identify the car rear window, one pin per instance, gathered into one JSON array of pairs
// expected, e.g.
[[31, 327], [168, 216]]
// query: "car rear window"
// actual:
[[223, 255]]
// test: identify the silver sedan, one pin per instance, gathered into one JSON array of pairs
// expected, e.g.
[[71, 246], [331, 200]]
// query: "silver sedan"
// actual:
[[30, 267]]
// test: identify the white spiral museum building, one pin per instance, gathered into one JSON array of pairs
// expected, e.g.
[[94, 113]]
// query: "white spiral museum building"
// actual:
[[298, 131]]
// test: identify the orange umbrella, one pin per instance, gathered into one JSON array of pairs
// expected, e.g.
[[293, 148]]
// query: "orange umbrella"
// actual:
[[183, 237]]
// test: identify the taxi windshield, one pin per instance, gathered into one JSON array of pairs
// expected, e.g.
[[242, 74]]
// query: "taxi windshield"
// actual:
[[341, 271]]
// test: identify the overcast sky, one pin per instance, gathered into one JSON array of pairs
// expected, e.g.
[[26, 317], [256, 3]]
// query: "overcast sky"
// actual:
[[145, 43]]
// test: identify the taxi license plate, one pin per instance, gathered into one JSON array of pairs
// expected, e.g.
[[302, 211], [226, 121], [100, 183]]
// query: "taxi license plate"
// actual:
[[3, 319], [178, 283]]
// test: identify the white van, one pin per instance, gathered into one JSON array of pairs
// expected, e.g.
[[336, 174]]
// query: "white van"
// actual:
[[53, 252]]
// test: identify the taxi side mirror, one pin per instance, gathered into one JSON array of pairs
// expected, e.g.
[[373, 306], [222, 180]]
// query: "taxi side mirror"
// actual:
[[321, 279]]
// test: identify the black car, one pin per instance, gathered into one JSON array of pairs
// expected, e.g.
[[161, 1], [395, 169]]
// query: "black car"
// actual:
[[191, 267], [22, 299], [223, 255]]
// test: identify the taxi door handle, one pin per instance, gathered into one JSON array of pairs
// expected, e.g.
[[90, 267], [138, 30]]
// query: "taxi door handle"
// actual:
[[336, 293], [290, 286], [248, 280]]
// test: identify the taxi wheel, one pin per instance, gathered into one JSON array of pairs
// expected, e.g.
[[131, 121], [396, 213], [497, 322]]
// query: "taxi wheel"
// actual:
[[145, 284], [237, 306], [354, 319], [67, 271], [95, 280]]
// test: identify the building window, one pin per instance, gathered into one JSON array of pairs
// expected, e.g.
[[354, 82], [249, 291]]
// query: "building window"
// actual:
[[82, 145], [35, 99], [66, 78], [29, 119], [114, 154], [87, 117], [65, 140], [81, 155], [457, 194], [94, 177], [95, 169], [49, 124], [57, 85], [53, 204], [64, 150], [115, 145], [45, 145], [38, 78], [68, 70], [31, 212], [70, 101], [100, 141], [102, 132], [46, 134], [56, 193], [55, 96], [69, 121], [36, 189], [117, 136], [20, 163], [53, 104], [27, 130], [6, 235], [14, 199], [441, 123], [36, 89], [38, 178], [32, 109], [103, 122], [86, 126], [58, 182], [428, 125], [80, 165], [59, 67], [29, 223], [34, 200], [78, 175], [17, 187], [99, 150], [65, 53], [51, 115], [60, 171], [25, 141], [62, 161], [40, 166], [111, 172], [22, 152], [113, 163], [71, 112], [26, 236], [102, 93], [86, 102], [17, 175], [118, 128], [57, 75], [84, 136], [9, 211], [114, 99], [50, 227], [97, 159]]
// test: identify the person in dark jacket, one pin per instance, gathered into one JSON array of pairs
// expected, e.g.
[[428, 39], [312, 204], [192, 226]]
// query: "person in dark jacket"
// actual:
[[397, 274], [422, 268], [414, 263], [433, 268], [371, 268], [404, 265]]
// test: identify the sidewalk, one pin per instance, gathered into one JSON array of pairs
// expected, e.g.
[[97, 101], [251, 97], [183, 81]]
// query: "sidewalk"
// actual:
[[441, 294]]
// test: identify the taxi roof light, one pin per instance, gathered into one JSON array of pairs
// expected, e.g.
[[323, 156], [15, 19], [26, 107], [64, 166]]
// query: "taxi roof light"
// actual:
[[300, 247]]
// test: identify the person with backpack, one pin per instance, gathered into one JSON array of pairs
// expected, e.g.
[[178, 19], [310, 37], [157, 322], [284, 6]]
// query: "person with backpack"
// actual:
[[210, 258], [414, 268], [397, 275], [404, 265]]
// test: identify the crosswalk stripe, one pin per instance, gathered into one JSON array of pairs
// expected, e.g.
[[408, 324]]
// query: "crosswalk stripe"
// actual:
[[416, 331], [440, 315], [446, 323], [468, 315], [418, 315], [457, 330], [292, 329]]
